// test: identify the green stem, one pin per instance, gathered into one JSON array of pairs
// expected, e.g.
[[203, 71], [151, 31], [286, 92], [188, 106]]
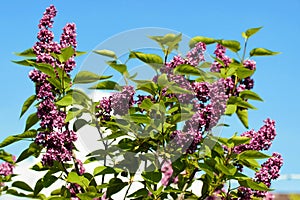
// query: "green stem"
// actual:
[[245, 47]]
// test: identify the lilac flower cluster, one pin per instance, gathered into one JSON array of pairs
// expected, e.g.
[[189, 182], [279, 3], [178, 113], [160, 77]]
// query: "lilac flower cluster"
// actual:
[[220, 54], [56, 137], [269, 171], [183, 83], [167, 171], [206, 115], [121, 101], [6, 169], [169, 66], [68, 38], [260, 140], [196, 55], [104, 109]]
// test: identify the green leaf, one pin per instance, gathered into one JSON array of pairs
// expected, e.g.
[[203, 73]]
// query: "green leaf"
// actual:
[[46, 69], [103, 170], [106, 52], [106, 85], [6, 156], [73, 177], [198, 39], [233, 45], [238, 101], [27, 104], [149, 87], [28, 62], [154, 60], [186, 69], [78, 124], [48, 180], [146, 104], [31, 120], [88, 77], [248, 33], [244, 72], [249, 183], [230, 109], [139, 193], [140, 118], [252, 154], [262, 52], [67, 53], [33, 150], [243, 116], [238, 140], [205, 65], [38, 187], [152, 177], [115, 185], [88, 195], [15, 193], [119, 67], [67, 100], [80, 53], [27, 53], [168, 42], [14, 138], [248, 94], [22, 185], [162, 80], [228, 170]]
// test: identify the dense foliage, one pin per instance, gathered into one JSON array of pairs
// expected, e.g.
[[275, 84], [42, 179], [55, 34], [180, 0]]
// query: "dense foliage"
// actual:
[[157, 133]]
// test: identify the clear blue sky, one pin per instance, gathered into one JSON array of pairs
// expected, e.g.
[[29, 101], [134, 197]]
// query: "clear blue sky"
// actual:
[[276, 78]]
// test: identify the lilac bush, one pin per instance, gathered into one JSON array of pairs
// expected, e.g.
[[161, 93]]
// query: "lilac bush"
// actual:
[[163, 125]]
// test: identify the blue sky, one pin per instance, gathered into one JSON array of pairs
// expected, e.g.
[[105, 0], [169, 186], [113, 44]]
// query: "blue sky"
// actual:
[[276, 78]]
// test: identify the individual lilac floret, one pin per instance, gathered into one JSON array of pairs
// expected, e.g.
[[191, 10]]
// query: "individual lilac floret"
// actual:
[[196, 55], [269, 171], [167, 171], [260, 140], [122, 101]]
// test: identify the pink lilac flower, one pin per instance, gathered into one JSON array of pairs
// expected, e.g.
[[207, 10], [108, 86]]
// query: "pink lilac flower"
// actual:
[[220, 54], [57, 141], [122, 101], [167, 171], [196, 55], [269, 171], [80, 166], [260, 140], [104, 106], [47, 19], [169, 66], [183, 83], [6, 169], [250, 64]]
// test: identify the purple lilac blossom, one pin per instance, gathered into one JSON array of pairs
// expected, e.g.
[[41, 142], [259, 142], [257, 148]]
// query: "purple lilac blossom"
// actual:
[[167, 171], [220, 54], [260, 140], [269, 171], [196, 55], [121, 101]]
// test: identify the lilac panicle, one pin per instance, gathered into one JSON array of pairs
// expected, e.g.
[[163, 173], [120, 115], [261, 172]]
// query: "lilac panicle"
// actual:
[[260, 140]]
